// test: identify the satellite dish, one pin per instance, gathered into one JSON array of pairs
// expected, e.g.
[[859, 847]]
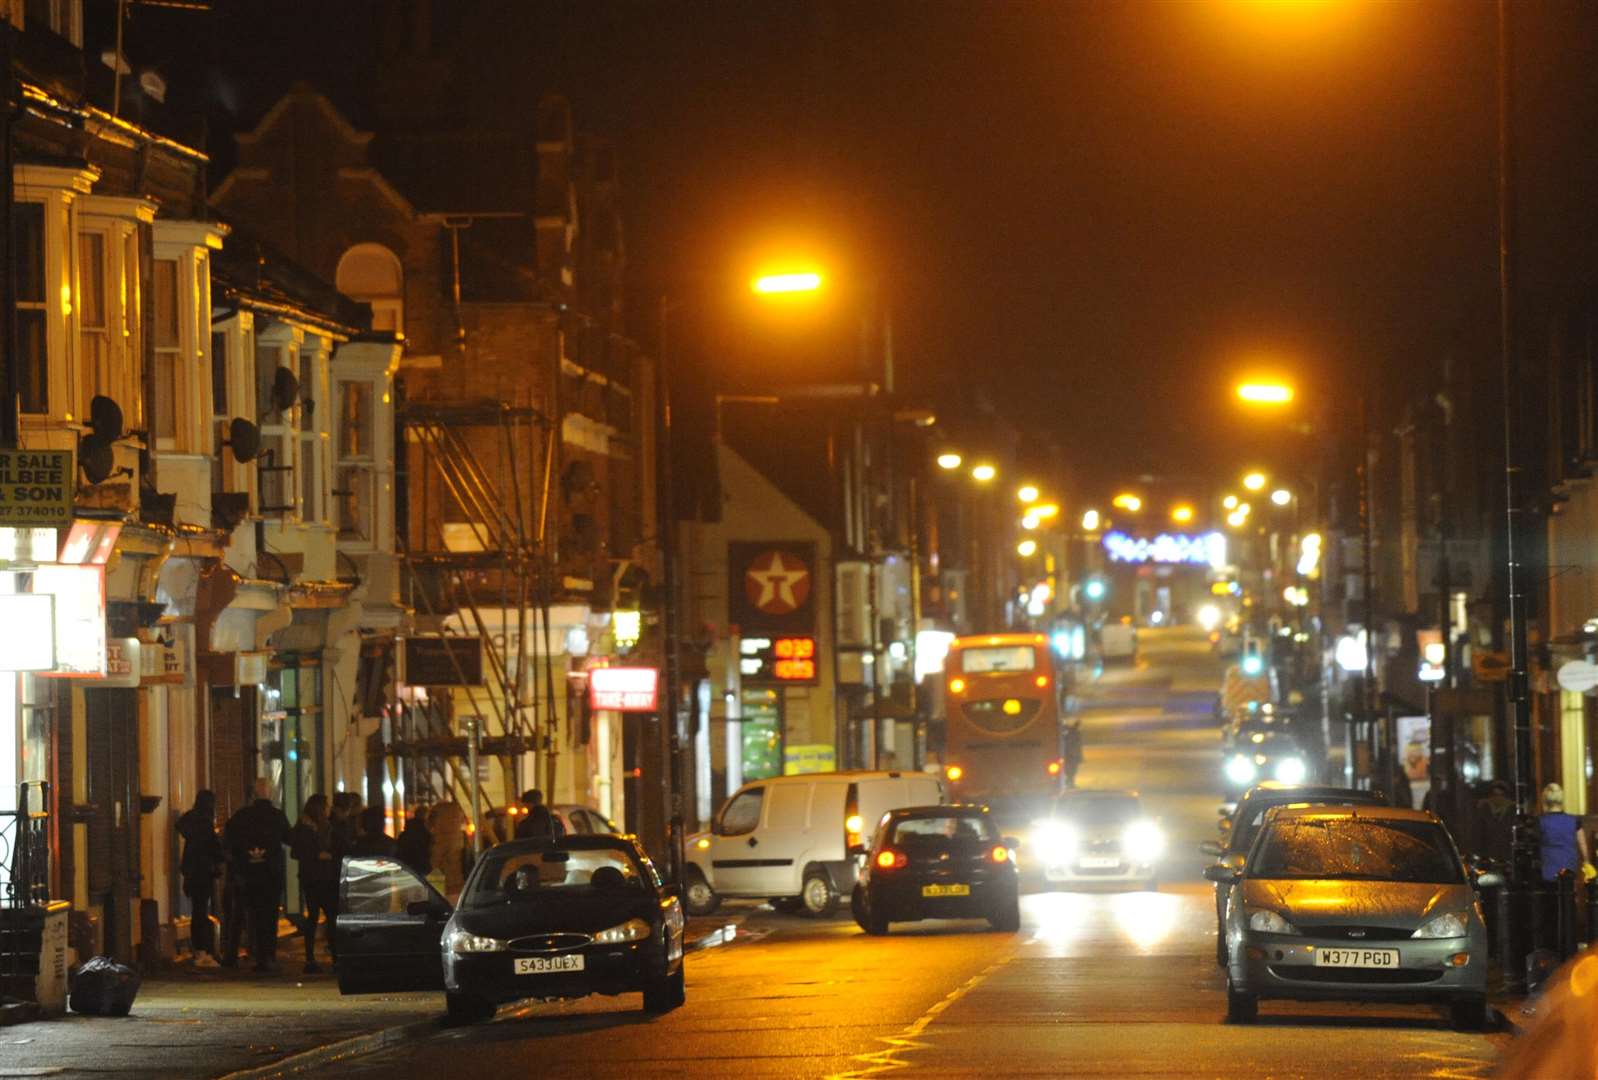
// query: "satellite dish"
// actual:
[[285, 390], [95, 457], [105, 417], [245, 439]]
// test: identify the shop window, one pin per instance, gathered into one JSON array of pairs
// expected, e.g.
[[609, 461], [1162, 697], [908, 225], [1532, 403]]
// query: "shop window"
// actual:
[[32, 307]]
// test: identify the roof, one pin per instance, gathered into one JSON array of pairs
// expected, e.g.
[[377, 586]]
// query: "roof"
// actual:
[[253, 274], [1374, 813], [940, 810], [979, 640]]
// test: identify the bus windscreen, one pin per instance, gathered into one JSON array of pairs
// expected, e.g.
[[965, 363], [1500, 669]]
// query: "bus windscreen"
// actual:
[[983, 660]]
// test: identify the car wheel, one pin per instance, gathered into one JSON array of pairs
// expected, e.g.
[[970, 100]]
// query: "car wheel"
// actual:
[[873, 924], [698, 897], [664, 995], [857, 906], [468, 1008], [1470, 1014], [819, 897], [1241, 1008], [1007, 920]]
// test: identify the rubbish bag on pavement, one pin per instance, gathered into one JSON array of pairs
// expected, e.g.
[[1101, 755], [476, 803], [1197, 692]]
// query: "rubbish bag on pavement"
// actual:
[[103, 987]]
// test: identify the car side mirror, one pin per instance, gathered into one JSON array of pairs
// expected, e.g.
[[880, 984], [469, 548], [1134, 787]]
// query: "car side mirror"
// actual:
[[426, 907], [1211, 847], [1488, 879], [1221, 874], [857, 849]]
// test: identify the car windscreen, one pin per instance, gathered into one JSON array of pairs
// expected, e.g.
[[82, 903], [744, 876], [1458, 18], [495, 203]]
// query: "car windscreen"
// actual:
[[1355, 849], [512, 877], [943, 834], [1108, 811], [995, 658]]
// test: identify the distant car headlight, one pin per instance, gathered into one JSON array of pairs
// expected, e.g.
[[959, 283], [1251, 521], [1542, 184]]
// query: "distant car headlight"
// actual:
[[1291, 770], [1240, 770], [1266, 921], [1056, 842], [461, 942], [1143, 841], [1443, 926], [631, 930]]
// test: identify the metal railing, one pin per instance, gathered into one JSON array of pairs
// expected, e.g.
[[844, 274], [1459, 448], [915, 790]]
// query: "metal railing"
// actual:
[[25, 847]]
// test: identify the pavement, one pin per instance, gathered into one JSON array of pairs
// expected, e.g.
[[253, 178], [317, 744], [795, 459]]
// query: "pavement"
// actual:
[[237, 1023], [1098, 983]]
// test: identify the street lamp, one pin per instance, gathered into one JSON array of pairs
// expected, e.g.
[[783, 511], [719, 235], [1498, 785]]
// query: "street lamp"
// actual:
[[1028, 493], [1281, 496], [1128, 502], [1090, 520], [1027, 548], [807, 281], [1182, 514], [1254, 481], [949, 461], [1230, 502], [983, 473], [1265, 393]]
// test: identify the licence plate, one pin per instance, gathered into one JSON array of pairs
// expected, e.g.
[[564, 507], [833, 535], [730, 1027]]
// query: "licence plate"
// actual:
[[1098, 862], [945, 890], [1356, 958], [548, 965]]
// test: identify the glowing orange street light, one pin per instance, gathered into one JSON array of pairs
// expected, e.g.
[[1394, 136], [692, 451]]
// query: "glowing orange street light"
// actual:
[[1128, 502], [949, 461], [983, 473], [1027, 493], [1265, 393], [1182, 514], [771, 284], [1254, 481]]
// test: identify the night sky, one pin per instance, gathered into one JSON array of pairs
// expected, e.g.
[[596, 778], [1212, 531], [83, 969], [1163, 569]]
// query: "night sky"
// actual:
[[1095, 215]]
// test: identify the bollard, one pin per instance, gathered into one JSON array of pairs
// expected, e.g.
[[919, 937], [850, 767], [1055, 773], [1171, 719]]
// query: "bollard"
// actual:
[[1592, 912], [1511, 963], [1565, 914]]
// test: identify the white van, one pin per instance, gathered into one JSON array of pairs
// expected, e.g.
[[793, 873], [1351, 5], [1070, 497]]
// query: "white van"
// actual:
[[788, 839]]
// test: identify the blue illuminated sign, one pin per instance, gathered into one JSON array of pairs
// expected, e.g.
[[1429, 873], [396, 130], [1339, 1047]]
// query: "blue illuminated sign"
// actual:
[[1204, 549]]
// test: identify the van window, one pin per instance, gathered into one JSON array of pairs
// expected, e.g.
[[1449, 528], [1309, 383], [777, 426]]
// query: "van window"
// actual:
[[742, 815], [789, 804]]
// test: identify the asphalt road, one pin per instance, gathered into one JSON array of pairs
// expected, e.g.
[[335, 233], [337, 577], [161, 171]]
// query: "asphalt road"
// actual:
[[1120, 983]]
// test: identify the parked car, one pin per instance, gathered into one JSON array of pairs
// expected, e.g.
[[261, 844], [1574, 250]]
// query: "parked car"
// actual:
[[938, 862], [1243, 825], [1099, 837], [499, 822], [537, 918], [788, 839], [1363, 903]]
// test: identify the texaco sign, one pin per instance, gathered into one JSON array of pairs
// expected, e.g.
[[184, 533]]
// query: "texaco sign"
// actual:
[[771, 586]]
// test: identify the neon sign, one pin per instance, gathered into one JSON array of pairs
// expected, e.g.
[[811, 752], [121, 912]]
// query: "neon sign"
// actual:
[[1181, 549]]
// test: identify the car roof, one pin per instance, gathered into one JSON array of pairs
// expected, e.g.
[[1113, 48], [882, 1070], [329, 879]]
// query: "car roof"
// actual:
[[1369, 813], [948, 810], [1275, 788], [573, 842], [845, 774]]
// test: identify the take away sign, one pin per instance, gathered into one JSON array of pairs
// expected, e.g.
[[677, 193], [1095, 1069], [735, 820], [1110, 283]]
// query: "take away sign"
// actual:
[[36, 487], [623, 689]]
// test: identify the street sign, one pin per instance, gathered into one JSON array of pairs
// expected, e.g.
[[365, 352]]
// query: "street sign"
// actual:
[[1489, 666], [36, 487], [1577, 676]]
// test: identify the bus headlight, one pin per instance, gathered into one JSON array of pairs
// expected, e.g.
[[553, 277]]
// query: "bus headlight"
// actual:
[[1290, 770], [1240, 770]]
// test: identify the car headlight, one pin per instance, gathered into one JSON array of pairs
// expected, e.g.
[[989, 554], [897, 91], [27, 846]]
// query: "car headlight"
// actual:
[[1056, 843], [1290, 770], [463, 942], [1443, 926], [1143, 841], [1240, 770], [631, 930], [1266, 921]]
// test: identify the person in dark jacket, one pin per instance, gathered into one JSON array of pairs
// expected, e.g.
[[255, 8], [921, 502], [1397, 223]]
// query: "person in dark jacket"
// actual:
[[200, 865], [343, 818], [311, 843], [414, 847], [254, 838], [373, 839], [537, 822]]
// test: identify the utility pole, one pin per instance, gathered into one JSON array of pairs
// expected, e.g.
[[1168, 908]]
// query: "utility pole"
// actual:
[[10, 382], [666, 528]]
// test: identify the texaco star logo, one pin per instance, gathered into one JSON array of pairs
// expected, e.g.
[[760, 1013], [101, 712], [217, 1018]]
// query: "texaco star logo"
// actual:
[[777, 583]]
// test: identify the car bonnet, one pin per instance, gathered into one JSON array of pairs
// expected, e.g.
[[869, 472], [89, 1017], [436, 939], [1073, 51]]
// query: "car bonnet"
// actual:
[[1358, 903], [569, 910]]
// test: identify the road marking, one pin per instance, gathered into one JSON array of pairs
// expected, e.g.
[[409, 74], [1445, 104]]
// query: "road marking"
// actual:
[[886, 1060]]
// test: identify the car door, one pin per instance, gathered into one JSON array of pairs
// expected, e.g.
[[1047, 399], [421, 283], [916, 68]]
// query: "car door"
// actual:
[[735, 842], [388, 926]]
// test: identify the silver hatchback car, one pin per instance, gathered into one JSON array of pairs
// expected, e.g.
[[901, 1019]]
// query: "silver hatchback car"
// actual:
[[1365, 903]]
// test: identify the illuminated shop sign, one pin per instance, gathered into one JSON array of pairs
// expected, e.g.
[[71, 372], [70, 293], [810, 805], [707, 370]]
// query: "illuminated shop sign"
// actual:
[[784, 659], [79, 593], [27, 642], [623, 689], [1180, 549]]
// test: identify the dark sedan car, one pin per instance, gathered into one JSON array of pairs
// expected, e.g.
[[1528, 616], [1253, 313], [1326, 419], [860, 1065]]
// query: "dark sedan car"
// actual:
[[938, 862], [537, 918]]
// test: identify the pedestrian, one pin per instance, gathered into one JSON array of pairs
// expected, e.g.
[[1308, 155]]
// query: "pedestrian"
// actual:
[[342, 818], [255, 837], [1562, 843], [1495, 824], [414, 846], [446, 823], [199, 867], [537, 822], [373, 840], [311, 843]]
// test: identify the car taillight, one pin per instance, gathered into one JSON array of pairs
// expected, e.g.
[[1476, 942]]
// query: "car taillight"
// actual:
[[1000, 853], [891, 860], [1055, 766]]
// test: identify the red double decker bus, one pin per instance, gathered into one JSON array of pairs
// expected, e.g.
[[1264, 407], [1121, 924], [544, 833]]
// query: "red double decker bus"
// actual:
[[1005, 739]]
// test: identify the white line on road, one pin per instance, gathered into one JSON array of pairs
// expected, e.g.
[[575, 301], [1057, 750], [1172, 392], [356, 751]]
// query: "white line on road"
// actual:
[[881, 1061]]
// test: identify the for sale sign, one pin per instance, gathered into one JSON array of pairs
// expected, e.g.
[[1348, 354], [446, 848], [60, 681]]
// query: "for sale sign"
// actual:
[[36, 487], [623, 689]]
